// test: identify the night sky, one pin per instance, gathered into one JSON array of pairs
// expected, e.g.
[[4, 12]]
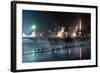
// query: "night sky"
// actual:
[[50, 20]]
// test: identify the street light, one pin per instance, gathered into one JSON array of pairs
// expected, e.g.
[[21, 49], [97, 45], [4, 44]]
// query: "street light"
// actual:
[[33, 27]]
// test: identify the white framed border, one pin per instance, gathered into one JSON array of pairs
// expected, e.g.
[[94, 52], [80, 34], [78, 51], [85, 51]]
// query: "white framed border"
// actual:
[[40, 65]]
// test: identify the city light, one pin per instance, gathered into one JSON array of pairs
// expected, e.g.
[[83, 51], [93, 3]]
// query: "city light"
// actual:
[[33, 51], [24, 35], [74, 34], [34, 30], [79, 33], [41, 34], [49, 30], [76, 28], [33, 27], [33, 34], [60, 33], [80, 25]]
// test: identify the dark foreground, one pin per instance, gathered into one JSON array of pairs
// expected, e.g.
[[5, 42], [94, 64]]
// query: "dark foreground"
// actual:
[[43, 50]]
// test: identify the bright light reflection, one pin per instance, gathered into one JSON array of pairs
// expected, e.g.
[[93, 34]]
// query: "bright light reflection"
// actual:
[[33, 51], [33, 54], [74, 34], [80, 53]]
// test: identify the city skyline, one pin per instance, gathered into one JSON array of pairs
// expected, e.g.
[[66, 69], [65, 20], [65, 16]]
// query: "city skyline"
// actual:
[[53, 21]]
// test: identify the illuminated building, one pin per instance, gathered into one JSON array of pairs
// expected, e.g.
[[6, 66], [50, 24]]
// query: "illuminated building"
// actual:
[[78, 30], [61, 33]]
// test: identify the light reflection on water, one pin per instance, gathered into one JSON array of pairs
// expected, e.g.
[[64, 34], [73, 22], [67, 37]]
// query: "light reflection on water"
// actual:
[[74, 53]]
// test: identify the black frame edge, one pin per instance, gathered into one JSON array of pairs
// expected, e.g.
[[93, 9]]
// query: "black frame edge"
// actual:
[[56, 68], [54, 4], [13, 36], [96, 36]]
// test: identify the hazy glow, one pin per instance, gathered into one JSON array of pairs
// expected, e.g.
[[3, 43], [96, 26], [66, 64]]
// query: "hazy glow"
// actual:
[[49, 30], [76, 28], [66, 33], [74, 34], [60, 33], [33, 34], [41, 34], [79, 33], [33, 51], [24, 35], [33, 54], [33, 27], [80, 25]]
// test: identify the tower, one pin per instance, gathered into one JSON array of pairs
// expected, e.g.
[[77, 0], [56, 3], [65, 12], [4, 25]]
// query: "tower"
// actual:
[[79, 29]]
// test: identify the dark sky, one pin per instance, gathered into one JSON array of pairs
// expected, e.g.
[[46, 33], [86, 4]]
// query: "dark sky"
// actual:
[[50, 20]]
